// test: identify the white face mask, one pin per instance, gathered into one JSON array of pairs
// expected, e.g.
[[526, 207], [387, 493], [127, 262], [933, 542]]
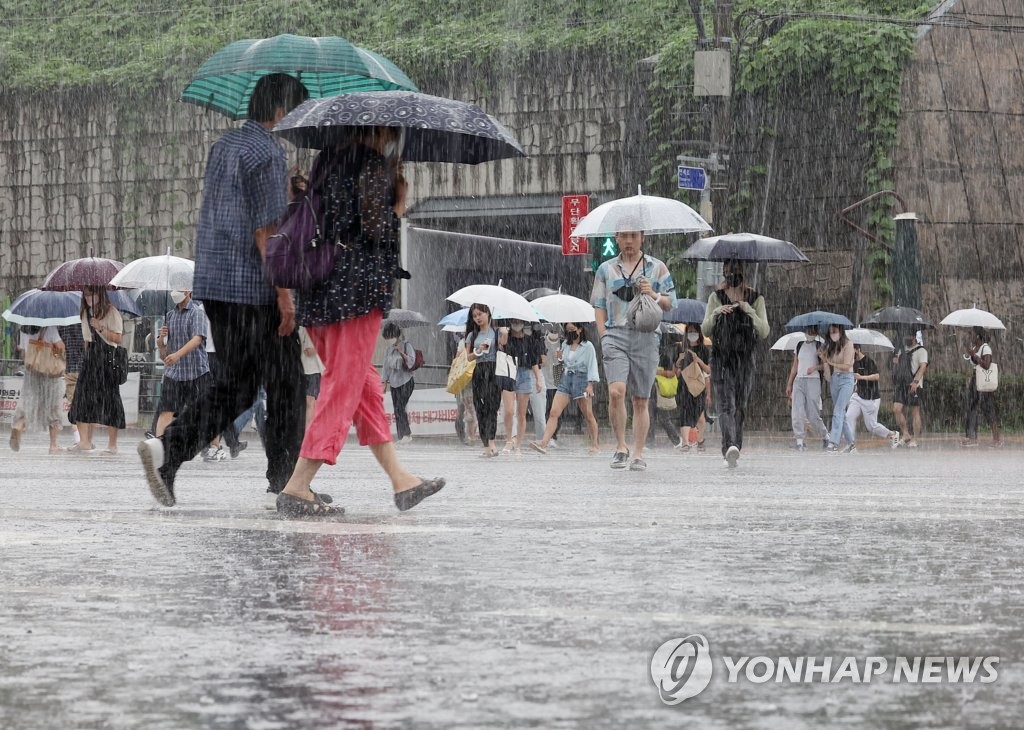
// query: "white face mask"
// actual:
[[835, 336], [517, 327], [177, 296], [693, 337], [553, 337]]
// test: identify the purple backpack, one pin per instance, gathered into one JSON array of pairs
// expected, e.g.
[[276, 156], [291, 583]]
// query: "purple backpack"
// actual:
[[297, 256]]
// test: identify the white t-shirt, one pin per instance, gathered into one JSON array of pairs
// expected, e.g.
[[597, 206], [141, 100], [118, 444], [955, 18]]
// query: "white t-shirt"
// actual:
[[807, 357], [917, 359], [982, 351]]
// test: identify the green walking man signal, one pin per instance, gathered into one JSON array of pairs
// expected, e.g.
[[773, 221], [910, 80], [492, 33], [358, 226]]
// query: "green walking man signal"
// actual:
[[602, 249]]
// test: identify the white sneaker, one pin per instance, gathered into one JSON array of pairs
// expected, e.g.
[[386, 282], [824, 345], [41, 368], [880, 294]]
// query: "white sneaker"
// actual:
[[405, 440], [732, 456], [895, 439], [151, 452], [270, 501], [552, 444]]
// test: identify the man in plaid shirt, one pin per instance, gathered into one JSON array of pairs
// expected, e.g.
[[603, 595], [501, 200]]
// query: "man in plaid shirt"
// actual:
[[186, 370], [253, 324]]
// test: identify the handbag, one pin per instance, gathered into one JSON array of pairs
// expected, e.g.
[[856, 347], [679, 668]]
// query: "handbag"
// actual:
[[643, 314], [694, 378], [504, 365], [461, 372], [113, 358], [986, 381], [42, 358], [297, 256]]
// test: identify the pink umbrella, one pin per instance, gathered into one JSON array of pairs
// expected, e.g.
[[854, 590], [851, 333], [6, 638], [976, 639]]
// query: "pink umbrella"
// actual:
[[78, 274]]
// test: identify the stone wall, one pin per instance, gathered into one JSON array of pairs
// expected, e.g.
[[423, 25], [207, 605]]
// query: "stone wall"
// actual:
[[960, 166]]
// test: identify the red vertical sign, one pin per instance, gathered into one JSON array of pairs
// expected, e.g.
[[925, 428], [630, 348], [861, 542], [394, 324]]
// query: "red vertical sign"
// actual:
[[574, 207]]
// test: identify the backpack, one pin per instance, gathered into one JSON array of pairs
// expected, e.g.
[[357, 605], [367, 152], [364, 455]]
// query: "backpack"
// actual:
[[733, 335], [668, 386], [903, 373]]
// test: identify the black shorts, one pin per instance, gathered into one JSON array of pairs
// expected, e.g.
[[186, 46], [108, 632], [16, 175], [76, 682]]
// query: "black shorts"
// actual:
[[176, 395], [903, 395], [312, 384]]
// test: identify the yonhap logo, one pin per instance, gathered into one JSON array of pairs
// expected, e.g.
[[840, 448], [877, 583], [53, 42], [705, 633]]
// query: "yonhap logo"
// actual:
[[681, 668]]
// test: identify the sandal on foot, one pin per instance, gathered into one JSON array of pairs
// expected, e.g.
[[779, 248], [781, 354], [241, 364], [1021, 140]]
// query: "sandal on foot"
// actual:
[[15, 439], [290, 506], [536, 446], [409, 498]]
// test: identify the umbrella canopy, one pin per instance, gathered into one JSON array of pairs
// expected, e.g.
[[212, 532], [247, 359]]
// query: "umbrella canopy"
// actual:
[[454, 328], [790, 341], [898, 318], [686, 311], [541, 291], [870, 340], [326, 66], [973, 317], [165, 273], [77, 274], [647, 213], [500, 300], [818, 319], [458, 318], [405, 318], [564, 308], [436, 129], [58, 308], [744, 247], [152, 302]]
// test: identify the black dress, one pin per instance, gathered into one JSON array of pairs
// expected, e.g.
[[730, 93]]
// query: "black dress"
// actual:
[[97, 395]]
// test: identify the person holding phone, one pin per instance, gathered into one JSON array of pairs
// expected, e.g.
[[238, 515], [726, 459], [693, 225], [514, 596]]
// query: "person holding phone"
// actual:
[[579, 374], [482, 342]]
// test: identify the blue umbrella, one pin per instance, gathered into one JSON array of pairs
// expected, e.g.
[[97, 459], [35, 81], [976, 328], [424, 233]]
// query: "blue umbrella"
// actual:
[[57, 308], [685, 312], [459, 317], [818, 319]]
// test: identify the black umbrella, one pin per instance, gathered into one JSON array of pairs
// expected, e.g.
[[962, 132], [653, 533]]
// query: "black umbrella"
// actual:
[[906, 318], [436, 129], [743, 247], [405, 318]]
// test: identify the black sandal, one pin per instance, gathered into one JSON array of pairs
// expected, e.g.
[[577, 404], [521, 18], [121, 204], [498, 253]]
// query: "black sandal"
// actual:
[[409, 498], [290, 506]]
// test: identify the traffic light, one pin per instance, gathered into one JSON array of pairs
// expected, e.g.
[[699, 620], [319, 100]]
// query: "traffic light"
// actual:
[[602, 249]]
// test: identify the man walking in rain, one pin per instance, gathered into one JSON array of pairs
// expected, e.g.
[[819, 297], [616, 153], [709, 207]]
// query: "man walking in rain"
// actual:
[[630, 356], [253, 325], [735, 321]]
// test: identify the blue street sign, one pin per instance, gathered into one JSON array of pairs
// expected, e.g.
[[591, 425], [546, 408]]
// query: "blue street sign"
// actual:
[[692, 178]]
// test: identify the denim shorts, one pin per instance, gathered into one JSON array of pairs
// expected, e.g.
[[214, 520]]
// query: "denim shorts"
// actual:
[[573, 385], [525, 382]]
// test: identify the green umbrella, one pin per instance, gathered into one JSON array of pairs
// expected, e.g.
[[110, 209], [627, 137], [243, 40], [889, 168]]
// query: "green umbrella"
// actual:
[[326, 66]]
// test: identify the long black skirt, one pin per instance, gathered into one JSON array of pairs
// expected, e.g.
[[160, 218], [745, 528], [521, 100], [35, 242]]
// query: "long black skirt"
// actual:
[[97, 396]]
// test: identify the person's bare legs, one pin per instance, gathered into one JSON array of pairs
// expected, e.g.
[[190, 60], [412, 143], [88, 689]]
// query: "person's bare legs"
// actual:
[[386, 455], [54, 431], [302, 476], [702, 425], [588, 413], [641, 425], [522, 401], [901, 421], [85, 436], [558, 404], [508, 404], [617, 414], [915, 413], [111, 438], [310, 405], [163, 421]]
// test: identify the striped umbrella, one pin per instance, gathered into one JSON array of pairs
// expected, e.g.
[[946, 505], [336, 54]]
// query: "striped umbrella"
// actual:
[[326, 66]]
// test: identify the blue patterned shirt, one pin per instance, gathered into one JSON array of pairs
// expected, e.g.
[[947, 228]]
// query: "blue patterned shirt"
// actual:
[[244, 189], [611, 275], [182, 326]]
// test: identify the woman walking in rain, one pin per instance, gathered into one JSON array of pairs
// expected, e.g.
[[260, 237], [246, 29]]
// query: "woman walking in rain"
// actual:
[[837, 360], [42, 393], [97, 394], [363, 194], [579, 373], [482, 343], [397, 375], [527, 350], [866, 400], [979, 353], [694, 397]]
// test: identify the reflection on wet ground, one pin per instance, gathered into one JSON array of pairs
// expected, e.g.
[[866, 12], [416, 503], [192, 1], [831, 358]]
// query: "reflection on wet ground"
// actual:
[[530, 592]]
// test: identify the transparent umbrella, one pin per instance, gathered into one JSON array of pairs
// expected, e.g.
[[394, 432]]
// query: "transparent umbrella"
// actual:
[[973, 317], [498, 299], [563, 308], [166, 273], [648, 213]]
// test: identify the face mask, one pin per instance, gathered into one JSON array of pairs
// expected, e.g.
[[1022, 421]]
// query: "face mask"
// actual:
[[810, 338], [734, 280], [693, 337], [572, 336], [177, 297], [553, 337], [835, 336], [517, 327]]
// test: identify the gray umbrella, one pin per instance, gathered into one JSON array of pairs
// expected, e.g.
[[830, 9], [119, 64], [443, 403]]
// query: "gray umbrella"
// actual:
[[405, 318], [743, 247], [904, 318], [436, 129]]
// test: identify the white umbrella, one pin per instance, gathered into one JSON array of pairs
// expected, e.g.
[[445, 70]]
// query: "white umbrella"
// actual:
[[973, 317], [790, 341], [164, 273], [510, 304], [564, 308], [647, 213], [870, 340]]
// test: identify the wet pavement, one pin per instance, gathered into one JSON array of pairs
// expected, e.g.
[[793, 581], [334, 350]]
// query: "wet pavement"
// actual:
[[532, 591]]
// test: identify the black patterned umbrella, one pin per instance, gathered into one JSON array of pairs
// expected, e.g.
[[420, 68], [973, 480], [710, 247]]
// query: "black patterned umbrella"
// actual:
[[436, 129]]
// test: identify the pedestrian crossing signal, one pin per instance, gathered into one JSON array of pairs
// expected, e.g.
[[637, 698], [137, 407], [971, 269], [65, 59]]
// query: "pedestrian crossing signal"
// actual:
[[602, 249]]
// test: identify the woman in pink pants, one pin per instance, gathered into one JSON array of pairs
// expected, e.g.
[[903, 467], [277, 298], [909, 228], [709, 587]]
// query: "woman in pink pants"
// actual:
[[362, 194]]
